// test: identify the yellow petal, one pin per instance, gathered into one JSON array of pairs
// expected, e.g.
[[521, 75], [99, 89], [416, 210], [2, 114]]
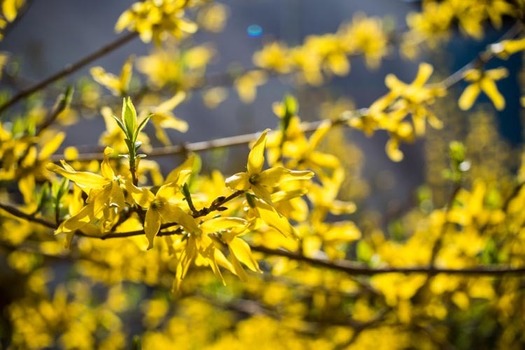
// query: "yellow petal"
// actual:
[[10, 9], [243, 253], [173, 102], [497, 74], [125, 75], [142, 196], [392, 150], [274, 176], [489, 87], [325, 160], [223, 223], [343, 231], [181, 174], [239, 181], [108, 80], [84, 180], [77, 221], [319, 134], [256, 155], [173, 213], [272, 218], [186, 258], [468, 97], [423, 74], [151, 225], [26, 185], [51, 146]]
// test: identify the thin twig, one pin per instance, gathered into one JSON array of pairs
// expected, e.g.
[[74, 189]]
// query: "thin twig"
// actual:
[[352, 268], [69, 69], [28, 217], [225, 142], [482, 58], [345, 266]]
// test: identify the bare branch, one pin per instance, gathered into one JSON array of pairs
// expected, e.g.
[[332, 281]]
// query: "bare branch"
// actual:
[[352, 268], [69, 69]]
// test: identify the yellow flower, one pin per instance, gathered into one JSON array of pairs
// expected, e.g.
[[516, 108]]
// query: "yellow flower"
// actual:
[[483, 81], [365, 35], [165, 205], [203, 239], [331, 52], [506, 48], [118, 86], [105, 194], [213, 17], [153, 19], [163, 118], [246, 85], [324, 198], [274, 57], [263, 182], [10, 9]]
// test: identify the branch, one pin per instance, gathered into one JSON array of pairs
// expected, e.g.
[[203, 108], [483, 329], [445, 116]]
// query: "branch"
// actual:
[[343, 266], [69, 69], [224, 142], [28, 217], [482, 59], [360, 269]]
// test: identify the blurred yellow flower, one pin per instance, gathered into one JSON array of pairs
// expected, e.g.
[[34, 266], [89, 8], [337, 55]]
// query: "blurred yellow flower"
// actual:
[[482, 81]]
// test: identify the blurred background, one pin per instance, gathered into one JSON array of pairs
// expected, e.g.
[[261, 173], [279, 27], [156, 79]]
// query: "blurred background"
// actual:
[[55, 33]]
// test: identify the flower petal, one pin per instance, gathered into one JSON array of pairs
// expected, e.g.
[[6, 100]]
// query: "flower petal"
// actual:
[[243, 253], [256, 156], [151, 225]]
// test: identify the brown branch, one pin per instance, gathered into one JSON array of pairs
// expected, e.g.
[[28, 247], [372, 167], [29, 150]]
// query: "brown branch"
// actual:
[[352, 268], [342, 266], [28, 217], [224, 142], [69, 69], [482, 58]]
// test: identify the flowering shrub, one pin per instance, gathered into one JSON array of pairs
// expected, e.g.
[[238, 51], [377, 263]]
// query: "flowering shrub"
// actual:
[[284, 254]]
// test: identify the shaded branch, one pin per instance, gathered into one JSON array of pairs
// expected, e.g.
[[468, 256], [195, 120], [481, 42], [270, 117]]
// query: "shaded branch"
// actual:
[[69, 69], [28, 217], [482, 58], [208, 145], [352, 268], [201, 146], [345, 266]]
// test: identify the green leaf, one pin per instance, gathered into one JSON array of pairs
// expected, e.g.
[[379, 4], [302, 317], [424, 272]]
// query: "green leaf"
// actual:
[[250, 198], [129, 116], [120, 124], [142, 125]]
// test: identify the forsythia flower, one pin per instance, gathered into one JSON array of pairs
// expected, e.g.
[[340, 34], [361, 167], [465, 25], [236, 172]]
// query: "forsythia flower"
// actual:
[[389, 112], [367, 36], [153, 19], [105, 194], [117, 85], [246, 85], [262, 182], [164, 206], [274, 57], [162, 117], [483, 81], [506, 48]]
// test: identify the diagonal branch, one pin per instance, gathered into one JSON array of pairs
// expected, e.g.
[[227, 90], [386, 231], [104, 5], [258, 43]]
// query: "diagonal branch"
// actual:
[[225, 142], [352, 268], [344, 266], [69, 69]]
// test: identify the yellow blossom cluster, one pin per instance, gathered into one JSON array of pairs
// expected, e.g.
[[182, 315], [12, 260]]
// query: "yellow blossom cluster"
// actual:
[[109, 247]]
